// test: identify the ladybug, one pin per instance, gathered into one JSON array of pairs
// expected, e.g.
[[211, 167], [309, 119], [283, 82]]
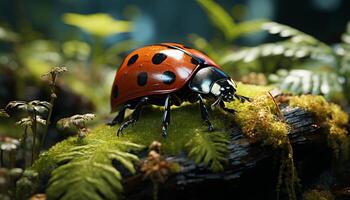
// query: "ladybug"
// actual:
[[169, 74]]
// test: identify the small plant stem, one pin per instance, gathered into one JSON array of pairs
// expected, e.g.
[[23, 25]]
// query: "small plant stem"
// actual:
[[24, 140], [277, 107], [1, 158], [155, 190], [13, 158], [34, 127], [48, 122]]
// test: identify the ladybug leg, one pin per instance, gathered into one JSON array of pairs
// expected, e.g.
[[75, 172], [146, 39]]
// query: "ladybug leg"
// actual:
[[204, 113], [229, 110], [242, 98], [166, 116], [120, 117], [134, 116]]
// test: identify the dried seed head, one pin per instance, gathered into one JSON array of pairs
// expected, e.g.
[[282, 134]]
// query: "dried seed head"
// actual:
[[55, 71], [38, 197], [3, 113], [156, 167], [8, 143], [156, 146]]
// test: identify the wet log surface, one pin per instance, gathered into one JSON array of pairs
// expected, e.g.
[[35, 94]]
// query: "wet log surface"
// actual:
[[251, 171]]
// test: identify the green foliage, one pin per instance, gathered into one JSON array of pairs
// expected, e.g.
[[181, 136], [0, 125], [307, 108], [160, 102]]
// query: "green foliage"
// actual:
[[3, 113], [27, 185], [296, 44], [7, 35], [286, 48], [225, 23], [98, 24], [209, 148], [88, 171], [76, 163], [303, 81], [298, 47]]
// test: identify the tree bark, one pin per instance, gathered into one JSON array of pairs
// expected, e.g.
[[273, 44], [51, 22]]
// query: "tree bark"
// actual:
[[251, 171]]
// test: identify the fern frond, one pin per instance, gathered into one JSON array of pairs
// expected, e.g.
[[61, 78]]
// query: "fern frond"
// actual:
[[297, 44], [89, 172], [303, 81], [293, 34], [210, 149], [287, 49]]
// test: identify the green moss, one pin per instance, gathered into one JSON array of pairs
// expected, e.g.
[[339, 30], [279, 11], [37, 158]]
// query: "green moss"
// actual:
[[259, 119], [185, 123], [260, 122], [318, 195], [331, 117], [187, 132]]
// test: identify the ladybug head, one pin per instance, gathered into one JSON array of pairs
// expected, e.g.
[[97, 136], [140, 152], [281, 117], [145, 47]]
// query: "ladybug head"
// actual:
[[211, 80], [225, 89]]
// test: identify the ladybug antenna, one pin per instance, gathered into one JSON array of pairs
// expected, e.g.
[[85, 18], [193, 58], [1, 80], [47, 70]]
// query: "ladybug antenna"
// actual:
[[199, 60]]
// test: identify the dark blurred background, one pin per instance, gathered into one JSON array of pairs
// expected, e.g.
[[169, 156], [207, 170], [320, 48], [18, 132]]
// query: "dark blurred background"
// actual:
[[166, 20], [92, 37]]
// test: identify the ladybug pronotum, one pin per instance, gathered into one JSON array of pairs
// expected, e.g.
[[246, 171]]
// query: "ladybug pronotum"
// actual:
[[168, 74]]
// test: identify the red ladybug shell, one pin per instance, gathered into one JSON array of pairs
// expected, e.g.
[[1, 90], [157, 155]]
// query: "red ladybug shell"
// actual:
[[154, 69]]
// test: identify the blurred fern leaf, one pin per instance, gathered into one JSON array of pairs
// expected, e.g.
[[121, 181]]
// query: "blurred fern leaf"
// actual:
[[287, 49], [210, 149], [7, 35], [293, 34], [302, 81], [88, 172], [225, 23]]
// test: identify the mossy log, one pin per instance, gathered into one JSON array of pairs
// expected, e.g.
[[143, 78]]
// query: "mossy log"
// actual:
[[257, 153], [251, 171]]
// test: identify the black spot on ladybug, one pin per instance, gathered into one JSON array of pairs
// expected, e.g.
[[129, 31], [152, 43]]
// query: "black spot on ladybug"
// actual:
[[194, 61], [168, 77], [115, 91], [158, 58], [142, 78], [133, 59]]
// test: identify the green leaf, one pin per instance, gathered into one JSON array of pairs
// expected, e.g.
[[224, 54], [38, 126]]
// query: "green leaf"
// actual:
[[302, 81], [88, 172], [226, 24], [210, 149], [218, 16], [8, 35], [99, 24], [293, 34], [285, 49]]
